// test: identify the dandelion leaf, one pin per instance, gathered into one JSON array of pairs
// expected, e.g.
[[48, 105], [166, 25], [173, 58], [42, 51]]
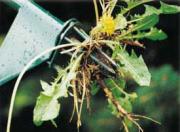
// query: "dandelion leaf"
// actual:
[[147, 22], [164, 9], [169, 9], [47, 108], [133, 67], [155, 34], [47, 105]]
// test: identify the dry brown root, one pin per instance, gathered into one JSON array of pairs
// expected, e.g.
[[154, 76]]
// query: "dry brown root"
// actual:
[[122, 112], [81, 92], [133, 43]]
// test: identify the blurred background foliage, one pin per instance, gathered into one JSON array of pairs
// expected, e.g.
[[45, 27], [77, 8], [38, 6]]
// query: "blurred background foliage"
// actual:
[[159, 101], [1, 39]]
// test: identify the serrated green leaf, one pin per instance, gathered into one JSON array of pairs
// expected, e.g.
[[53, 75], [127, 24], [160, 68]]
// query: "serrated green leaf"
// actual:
[[164, 9], [65, 83], [60, 72], [133, 67], [155, 34], [47, 108], [150, 18], [133, 4], [116, 86], [142, 23], [169, 9], [114, 89], [47, 105], [149, 10], [48, 89], [45, 86], [147, 22], [66, 79], [126, 104]]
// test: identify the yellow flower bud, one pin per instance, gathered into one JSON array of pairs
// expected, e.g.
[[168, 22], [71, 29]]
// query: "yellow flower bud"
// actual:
[[107, 24]]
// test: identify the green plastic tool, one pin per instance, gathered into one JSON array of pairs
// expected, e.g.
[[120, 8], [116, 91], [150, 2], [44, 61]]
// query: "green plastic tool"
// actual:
[[33, 31]]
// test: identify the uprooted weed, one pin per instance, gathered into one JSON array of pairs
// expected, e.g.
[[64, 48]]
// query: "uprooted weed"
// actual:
[[102, 62]]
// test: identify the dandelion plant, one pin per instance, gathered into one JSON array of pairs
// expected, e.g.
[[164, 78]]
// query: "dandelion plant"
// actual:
[[108, 40]]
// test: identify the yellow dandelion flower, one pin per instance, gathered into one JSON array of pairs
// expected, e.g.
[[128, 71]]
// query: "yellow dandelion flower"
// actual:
[[107, 24]]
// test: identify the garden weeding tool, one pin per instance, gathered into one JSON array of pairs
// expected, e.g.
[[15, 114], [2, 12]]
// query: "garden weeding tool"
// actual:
[[33, 31]]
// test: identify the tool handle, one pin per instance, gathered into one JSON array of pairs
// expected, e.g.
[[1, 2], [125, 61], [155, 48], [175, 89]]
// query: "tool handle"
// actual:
[[16, 4]]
